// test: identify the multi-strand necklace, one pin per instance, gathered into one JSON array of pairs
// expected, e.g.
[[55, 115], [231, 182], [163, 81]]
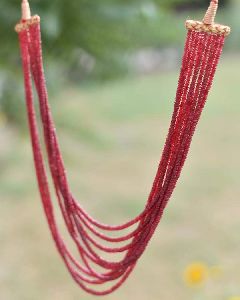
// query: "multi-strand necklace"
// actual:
[[91, 271]]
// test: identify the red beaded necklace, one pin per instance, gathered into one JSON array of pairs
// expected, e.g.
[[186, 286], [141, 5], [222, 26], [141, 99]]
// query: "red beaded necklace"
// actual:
[[203, 48]]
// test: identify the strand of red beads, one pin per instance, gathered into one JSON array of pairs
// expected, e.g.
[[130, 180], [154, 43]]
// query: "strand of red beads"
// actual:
[[201, 55]]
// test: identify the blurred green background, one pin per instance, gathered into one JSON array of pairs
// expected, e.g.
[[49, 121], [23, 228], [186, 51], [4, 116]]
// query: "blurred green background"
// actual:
[[112, 68]]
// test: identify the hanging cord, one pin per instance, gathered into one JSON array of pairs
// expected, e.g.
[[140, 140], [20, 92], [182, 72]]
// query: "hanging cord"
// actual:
[[26, 11], [210, 15]]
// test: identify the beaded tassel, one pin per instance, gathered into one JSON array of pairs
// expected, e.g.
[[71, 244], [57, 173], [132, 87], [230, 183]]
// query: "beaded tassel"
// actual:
[[203, 48]]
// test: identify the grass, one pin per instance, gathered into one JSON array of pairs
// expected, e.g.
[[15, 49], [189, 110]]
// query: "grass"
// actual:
[[111, 138]]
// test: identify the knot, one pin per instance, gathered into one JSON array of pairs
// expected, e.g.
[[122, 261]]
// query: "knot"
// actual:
[[24, 25], [211, 29]]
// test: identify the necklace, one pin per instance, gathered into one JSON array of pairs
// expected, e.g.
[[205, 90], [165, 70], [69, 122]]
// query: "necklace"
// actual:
[[203, 48]]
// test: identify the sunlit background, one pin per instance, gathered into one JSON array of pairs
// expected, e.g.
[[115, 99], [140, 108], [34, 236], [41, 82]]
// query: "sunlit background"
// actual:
[[112, 68]]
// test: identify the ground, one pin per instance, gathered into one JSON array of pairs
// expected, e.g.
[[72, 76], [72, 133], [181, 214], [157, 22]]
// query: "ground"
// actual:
[[112, 136]]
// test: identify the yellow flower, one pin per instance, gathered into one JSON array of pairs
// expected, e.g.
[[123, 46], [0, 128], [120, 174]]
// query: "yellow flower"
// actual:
[[196, 274], [235, 298]]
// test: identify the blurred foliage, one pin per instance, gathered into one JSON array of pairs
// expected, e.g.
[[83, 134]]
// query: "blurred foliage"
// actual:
[[87, 39]]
